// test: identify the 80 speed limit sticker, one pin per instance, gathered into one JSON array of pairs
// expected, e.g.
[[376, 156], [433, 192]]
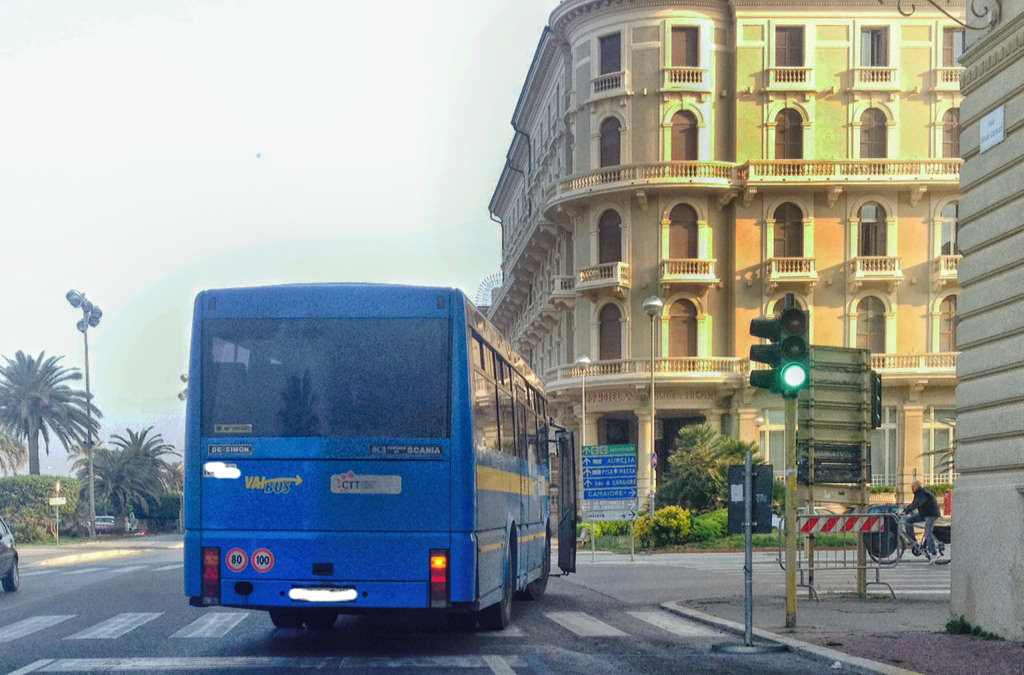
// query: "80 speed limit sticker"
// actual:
[[236, 560], [262, 560]]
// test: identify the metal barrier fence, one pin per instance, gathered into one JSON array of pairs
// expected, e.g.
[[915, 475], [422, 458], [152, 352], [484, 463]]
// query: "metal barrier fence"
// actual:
[[876, 538]]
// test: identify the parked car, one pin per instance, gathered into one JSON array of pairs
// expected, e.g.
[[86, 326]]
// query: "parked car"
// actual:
[[8, 558], [104, 523]]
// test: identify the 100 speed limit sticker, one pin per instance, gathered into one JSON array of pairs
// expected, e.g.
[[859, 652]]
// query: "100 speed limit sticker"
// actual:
[[237, 560]]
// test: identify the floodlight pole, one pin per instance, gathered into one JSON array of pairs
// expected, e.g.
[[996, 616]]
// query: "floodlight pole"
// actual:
[[88, 442]]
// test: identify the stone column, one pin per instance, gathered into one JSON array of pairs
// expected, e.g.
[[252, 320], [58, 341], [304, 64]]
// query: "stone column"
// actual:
[[913, 428]]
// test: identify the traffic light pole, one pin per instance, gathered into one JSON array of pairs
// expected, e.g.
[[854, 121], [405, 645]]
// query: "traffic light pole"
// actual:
[[791, 524]]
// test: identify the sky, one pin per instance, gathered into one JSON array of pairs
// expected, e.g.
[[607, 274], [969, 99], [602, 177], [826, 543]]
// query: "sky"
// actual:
[[149, 150]]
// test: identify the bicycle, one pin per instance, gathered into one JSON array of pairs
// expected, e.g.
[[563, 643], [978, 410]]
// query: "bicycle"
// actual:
[[888, 547]]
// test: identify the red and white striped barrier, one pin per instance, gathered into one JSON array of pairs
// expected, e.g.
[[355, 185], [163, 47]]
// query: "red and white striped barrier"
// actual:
[[849, 523]]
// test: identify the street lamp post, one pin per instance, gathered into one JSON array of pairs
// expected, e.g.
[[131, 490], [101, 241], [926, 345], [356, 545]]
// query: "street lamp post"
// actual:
[[91, 315], [583, 362], [653, 306]]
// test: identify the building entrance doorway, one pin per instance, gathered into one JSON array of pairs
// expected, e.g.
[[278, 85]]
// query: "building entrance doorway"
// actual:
[[665, 439]]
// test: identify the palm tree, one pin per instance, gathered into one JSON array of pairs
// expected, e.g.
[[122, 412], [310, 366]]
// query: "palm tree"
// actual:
[[12, 452], [34, 401], [133, 471], [698, 468]]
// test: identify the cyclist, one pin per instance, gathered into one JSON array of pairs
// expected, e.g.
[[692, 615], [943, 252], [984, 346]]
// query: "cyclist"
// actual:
[[927, 508]]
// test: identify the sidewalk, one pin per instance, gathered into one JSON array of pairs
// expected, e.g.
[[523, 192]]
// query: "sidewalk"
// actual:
[[864, 635], [74, 551]]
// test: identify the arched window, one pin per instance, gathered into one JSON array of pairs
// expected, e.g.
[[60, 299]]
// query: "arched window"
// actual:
[[789, 135], [684, 136], [871, 325], [951, 133], [789, 231], [950, 222], [610, 142], [682, 329], [873, 132], [682, 233], [872, 230], [947, 324], [610, 319], [609, 237]]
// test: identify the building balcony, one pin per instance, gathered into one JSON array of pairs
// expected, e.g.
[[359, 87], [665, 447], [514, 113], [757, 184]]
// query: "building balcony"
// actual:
[[853, 171], [944, 272], [610, 84], [914, 366], [797, 78], [694, 80], [947, 79], [636, 177], [563, 291], [708, 369], [796, 271], [613, 277], [678, 272], [875, 78], [875, 269]]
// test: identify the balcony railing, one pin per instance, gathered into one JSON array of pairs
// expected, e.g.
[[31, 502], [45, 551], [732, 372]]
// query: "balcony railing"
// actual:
[[791, 269], [866, 269], [948, 79], [798, 78], [946, 266], [875, 77], [685, 79], [914, 363], [688, 270], [562, 287], [701, 173], [699, 366], [615, 274], [608, 83], [852, 170]]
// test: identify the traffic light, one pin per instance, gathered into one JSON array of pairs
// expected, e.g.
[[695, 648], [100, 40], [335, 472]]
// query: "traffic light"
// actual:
[[876, 400], [788, 355]]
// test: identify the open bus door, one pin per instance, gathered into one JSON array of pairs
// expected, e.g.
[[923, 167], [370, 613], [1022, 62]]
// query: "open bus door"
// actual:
[[566, 501]]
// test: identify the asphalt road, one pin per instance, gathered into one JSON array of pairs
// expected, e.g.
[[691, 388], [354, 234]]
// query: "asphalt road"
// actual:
[[129, 613]]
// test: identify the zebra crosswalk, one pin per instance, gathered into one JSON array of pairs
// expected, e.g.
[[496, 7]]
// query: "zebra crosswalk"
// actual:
[[216, 624]]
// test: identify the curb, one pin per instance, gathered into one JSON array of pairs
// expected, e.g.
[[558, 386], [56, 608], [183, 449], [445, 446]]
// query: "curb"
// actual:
[[855, 664], [94, 555]]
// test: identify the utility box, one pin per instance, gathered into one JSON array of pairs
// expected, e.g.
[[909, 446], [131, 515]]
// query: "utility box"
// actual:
[[762, 507]]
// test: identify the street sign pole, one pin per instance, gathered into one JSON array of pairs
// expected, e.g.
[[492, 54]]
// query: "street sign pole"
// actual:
[[791, 525]]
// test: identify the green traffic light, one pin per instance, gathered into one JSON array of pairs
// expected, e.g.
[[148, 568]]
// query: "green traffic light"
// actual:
[[793, 376]]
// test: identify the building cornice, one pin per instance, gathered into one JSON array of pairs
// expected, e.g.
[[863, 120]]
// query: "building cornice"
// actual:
[[571, 11], [987, 58]]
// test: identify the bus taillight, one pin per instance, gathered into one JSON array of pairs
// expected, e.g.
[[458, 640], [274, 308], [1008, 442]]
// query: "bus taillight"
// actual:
[[439, 578], [211, 576]]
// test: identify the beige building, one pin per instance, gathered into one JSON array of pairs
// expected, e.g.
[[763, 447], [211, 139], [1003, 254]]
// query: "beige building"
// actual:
[[719, 154], [988, 577]]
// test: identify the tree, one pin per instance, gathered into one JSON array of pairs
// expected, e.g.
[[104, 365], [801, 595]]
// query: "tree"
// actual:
[[35, 400], [697, 477], [12, 452], [133, 471]]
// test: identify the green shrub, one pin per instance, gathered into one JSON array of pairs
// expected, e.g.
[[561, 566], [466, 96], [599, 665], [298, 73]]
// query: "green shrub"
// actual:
[[709, 525], [883, 489], [611, 528], [24, 503], [671, 525]]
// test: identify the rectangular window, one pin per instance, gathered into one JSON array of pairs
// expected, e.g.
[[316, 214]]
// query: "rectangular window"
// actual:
[[789, 46], [485, 413], [952, 46], [884, 470], [611, 54], [685, 52], [334, 378], [874, 47], [505, 422]]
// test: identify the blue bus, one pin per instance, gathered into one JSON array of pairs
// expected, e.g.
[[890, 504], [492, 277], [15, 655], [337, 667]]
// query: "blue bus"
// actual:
[[357, 448]]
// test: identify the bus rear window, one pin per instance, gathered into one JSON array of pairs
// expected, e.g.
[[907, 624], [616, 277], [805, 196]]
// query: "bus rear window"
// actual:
[[326, 377]]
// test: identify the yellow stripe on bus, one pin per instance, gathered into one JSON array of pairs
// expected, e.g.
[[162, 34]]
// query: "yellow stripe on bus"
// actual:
[[496, 480]]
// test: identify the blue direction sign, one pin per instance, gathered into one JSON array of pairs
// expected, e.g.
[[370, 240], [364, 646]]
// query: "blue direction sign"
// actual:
[[609, 482]]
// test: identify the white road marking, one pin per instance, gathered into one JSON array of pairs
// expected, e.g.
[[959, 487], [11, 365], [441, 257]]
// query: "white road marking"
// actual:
[[175, 566], [583, 624], [115, 627], [674, 624], [29, 626], [85, 570], [213, 625], [153, 664]]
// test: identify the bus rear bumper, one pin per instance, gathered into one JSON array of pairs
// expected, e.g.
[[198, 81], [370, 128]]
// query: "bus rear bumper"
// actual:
[[272, 593]]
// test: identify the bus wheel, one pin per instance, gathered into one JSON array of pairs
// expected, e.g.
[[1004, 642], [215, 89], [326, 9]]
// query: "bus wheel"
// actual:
[[286, 618], [535, 589], [499, 615], [319, 619]]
